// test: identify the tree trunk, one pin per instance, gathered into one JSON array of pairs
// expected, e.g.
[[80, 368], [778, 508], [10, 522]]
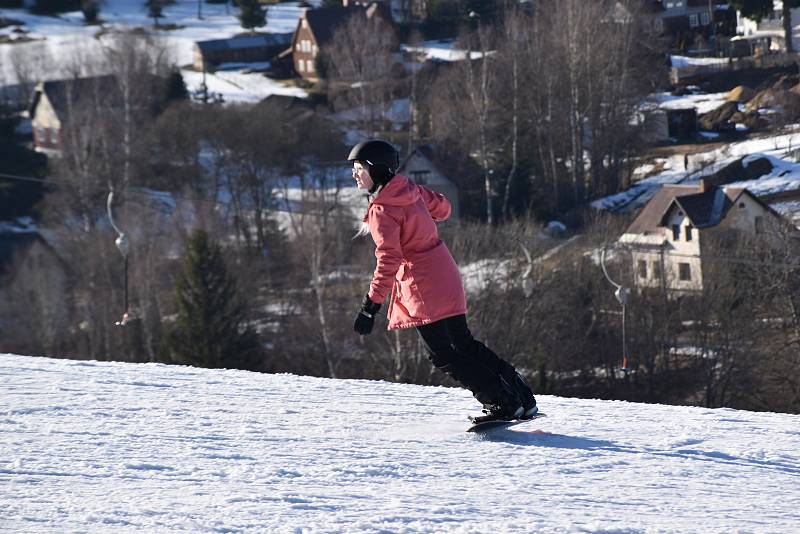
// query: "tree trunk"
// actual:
[[787, 27]]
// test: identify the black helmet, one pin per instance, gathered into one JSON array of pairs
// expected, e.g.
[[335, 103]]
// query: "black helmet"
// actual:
[[377, 154]]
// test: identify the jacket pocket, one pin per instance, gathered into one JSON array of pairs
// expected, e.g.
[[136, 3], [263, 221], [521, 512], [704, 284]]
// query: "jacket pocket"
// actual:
[[408, 293]]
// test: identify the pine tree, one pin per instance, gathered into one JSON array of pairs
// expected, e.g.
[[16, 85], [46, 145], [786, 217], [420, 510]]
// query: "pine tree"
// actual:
[[251, 14], [90, 10], [154, 9], [211, 329]]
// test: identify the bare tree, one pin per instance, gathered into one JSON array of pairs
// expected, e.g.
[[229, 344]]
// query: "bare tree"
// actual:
[[359, 64], [31, 63]]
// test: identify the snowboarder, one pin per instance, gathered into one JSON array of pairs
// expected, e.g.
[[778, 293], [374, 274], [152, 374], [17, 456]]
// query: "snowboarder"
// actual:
[[416, 269]]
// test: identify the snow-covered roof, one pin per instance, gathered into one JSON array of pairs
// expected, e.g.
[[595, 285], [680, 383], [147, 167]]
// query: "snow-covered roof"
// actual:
[[245, 41]]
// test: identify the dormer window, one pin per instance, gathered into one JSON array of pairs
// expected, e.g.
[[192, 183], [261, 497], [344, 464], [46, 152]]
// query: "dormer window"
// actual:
[[676, 232], [688, 232]]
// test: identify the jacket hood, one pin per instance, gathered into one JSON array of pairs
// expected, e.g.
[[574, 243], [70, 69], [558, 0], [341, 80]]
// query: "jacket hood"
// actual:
[[400, 191]]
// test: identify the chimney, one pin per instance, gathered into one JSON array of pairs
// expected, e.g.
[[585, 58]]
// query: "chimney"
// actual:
[[706, 185]]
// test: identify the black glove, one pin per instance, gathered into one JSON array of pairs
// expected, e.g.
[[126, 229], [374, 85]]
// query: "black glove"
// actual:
[[366, 316]]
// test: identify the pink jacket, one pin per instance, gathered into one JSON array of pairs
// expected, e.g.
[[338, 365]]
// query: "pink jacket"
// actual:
[[413, 263]]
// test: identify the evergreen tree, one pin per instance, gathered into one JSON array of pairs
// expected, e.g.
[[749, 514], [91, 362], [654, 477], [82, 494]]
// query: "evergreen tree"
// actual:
[[91, 10], [251, 14], [154, 9], [211, 329]]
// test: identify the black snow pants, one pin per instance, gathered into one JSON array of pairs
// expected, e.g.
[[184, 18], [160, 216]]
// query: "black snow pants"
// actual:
[[452, 349]]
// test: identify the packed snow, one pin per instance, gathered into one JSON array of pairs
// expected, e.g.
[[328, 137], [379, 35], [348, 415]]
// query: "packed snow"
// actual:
[[94, 447]]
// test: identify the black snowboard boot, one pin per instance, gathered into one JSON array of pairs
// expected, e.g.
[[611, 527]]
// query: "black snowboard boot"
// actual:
[[501, 402], [528, 401]]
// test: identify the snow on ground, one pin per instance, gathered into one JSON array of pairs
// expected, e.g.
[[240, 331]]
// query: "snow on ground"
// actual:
[[702, 102], [99, 447], [441, 50], [686, 61], [241, 87], [60, 41]]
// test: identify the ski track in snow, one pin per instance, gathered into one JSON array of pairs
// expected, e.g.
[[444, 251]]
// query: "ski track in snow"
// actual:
[[98, 447]]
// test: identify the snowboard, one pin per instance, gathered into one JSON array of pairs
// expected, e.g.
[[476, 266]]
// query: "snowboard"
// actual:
[[487, 422]]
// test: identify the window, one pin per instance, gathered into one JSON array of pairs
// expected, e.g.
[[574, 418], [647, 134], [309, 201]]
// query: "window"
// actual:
[[420, 177], [40, 135], [656, 270], [688, 232], [693, 20], [309, 65], [704, 18], [676, 232], [642, 268], [301, 65], [684, 272]]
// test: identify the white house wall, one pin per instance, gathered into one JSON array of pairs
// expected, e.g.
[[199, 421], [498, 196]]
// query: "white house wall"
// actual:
[[743, 215], [649, 268], [770, 27], [681, 251], [45, 116], [435, 180]]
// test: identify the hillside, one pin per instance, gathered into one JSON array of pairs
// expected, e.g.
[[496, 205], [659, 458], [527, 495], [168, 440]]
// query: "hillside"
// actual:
[[94, 446]]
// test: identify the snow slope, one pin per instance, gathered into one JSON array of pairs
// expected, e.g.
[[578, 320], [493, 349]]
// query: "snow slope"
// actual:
[[101, 447]]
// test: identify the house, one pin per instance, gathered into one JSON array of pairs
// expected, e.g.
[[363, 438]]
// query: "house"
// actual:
[[669, 236], [208, 55], [424, 168], [402, 11], [689, 23], [52, 104], [33, 276], [316, 28], [768, 33]]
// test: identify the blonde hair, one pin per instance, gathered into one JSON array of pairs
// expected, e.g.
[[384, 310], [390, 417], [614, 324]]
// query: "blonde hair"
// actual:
[[363, 230]]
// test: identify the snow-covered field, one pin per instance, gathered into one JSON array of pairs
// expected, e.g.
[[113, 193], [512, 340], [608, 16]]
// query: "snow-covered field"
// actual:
[[62, 41], [54, 45], [112, 447]]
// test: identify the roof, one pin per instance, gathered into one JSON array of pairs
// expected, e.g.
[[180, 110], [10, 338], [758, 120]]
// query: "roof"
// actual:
[[705, 206], [64, 94], [262, 40], [649, 219], [452, 167], [428, 152], [705, 209], [324, 21]]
